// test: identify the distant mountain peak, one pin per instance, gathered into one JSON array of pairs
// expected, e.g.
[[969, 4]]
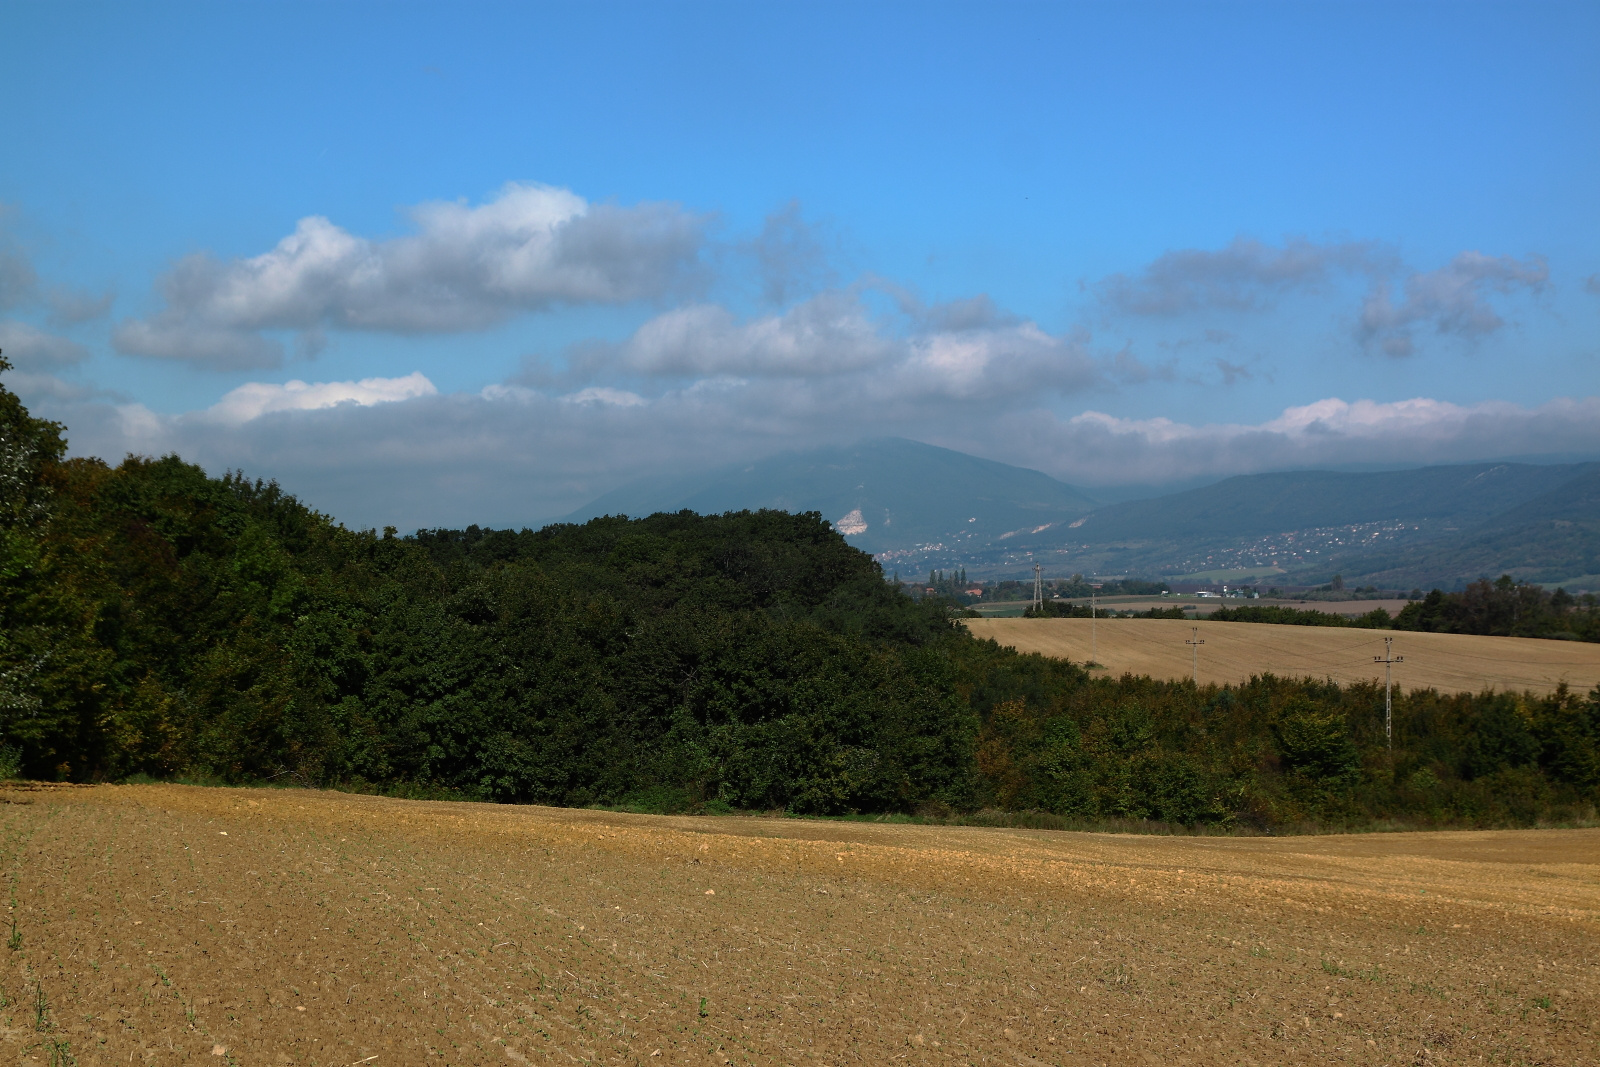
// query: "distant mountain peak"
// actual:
[[887, 494]]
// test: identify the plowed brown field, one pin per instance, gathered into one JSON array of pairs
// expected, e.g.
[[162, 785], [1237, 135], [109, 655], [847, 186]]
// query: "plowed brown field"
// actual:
[[1233, 651], [166, 925]]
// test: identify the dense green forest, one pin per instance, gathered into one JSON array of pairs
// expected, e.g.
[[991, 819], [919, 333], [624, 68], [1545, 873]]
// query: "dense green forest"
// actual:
[[161, 622]]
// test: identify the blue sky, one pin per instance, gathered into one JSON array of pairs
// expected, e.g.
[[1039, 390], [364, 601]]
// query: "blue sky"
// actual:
[[562, 247]]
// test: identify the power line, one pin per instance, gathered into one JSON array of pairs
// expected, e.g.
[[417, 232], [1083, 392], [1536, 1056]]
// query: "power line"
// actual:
[[1324, 654], [1434, 650]]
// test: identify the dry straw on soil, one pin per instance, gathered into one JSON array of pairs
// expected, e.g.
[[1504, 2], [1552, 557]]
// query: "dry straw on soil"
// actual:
[[166, 925], [1233, 651]]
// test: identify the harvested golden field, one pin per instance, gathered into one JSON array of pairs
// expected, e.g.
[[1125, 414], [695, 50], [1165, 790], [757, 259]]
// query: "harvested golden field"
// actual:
[[1233, 651], [170, 924]]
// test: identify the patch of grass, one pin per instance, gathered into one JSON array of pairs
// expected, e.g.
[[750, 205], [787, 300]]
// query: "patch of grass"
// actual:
[[1118, 977], [1371, 974], [656, 800], [60, 1053], [670, 800], [14, 942]]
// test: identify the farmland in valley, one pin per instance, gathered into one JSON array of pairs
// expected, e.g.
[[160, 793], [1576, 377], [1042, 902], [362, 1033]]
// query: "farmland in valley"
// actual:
[[172, 924], [1201, 606], [1233, 651]]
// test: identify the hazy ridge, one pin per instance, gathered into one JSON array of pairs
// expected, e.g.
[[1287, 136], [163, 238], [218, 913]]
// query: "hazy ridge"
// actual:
[[918, 506], [888, 495]]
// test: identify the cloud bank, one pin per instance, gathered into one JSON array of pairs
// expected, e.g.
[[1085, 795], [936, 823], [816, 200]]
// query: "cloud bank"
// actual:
[[397, 452], [1096, 448]]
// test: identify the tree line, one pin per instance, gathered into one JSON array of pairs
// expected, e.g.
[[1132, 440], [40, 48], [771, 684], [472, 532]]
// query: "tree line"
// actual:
[[1503, 608], [159, 622]]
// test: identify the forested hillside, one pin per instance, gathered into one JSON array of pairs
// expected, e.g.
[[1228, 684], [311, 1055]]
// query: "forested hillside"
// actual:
[[1258, 505], [1432, 526], [161, 622], [1553, 537], [172, 623]]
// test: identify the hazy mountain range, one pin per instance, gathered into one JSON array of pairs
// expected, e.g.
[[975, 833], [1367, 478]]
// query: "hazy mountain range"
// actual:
[[887, 496], [1429, 526], [918, 506]]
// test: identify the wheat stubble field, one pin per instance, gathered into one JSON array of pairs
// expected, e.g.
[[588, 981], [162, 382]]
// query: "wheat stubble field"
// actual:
[[171, 924], [1233, 651]]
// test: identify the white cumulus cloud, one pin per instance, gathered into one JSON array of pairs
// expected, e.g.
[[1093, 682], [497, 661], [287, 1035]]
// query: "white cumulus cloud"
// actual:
[[834, 343], [827, 334], [254, 399], [606, 395], [531, 248]]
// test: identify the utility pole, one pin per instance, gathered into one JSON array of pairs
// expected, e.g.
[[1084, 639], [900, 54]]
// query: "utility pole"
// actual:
[[1194, 644], [1094, 636], [1038, 590], [1388, 659]]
